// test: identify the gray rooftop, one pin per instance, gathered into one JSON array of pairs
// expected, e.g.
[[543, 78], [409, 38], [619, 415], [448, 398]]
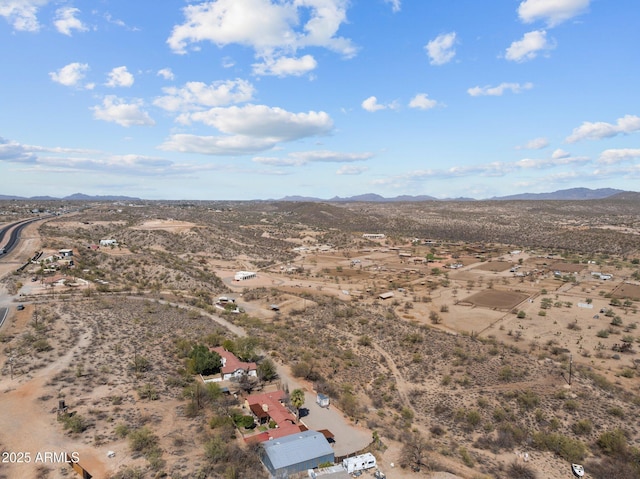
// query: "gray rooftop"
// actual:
[[296, 448]]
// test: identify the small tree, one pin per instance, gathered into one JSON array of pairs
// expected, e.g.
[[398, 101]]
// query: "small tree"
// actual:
[[204, 361], [297, 400], [414, 451], [267, 370]]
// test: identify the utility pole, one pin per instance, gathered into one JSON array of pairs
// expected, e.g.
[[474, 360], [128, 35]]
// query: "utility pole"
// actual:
[[11, 366]]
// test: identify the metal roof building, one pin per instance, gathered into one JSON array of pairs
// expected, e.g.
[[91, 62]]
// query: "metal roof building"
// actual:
[[296, 453]]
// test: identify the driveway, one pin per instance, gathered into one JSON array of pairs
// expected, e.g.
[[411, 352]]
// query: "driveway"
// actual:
[[349, 438]]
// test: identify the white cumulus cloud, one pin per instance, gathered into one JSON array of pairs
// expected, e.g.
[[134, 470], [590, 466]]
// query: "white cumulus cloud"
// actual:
[[599, 130], [285, 66], [499, 90], [619, 155], [371, 104], [395, 5], [66, 21], [262, 121], [119, 77], [422, 102], [553, 12], [71, 74], [22, 14], [116, 110], [217, 145], [535, 144], [351, 170], [196, 95], [300, 158], [441, 49], [248, 129], [528, 48], [166, 73], [269, 27], [560, 154]]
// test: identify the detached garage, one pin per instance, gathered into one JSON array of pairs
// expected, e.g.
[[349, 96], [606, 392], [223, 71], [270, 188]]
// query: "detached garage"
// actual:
[[296, 453]]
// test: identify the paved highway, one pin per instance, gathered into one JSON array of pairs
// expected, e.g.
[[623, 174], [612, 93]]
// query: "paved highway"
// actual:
[[3, 315], [14, 235]]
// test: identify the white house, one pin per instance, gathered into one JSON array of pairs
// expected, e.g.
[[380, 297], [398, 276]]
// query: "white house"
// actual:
[[108, 242], [243, 275], [232, 367]]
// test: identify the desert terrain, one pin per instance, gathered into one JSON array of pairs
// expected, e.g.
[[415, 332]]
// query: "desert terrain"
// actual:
[[473, 340]]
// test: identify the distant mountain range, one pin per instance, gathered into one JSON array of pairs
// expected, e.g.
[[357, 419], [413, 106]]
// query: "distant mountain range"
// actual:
[[570, 194], [566, 195], [73, 197]]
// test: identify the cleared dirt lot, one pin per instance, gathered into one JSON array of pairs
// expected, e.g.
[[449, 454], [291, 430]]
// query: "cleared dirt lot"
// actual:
[[503, 300]]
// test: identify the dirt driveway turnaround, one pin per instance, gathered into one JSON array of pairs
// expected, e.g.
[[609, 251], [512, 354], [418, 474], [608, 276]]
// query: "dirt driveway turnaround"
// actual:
[[349, 438]]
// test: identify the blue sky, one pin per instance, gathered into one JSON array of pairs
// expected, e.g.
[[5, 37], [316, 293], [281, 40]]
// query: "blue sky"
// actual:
[[258, 99]]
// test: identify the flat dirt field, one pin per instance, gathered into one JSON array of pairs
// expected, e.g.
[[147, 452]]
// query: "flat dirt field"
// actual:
[[627, 290], [567, 267], [503, 300], [494, 266]]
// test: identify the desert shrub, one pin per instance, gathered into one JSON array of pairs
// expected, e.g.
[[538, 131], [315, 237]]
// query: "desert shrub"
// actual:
[[129, 473], [582, 427], [466, 457], [42, 345], [567, 448], [616, 411], [142, 440], [613, 442], [73, 423], [505, 373], [509, 435], [215, 450], [571, 405], [122, 430], [148, 391], [528, 400], [517, 470]]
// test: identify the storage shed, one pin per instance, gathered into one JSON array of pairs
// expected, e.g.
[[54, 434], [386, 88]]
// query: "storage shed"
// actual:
[[296, 453]]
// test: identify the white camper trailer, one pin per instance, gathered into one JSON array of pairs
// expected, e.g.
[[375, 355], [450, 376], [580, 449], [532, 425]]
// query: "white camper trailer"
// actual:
[[359, 463]]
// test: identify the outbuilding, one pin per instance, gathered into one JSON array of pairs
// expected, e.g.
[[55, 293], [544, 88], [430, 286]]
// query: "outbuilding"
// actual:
[[244, 275], [296, 453]]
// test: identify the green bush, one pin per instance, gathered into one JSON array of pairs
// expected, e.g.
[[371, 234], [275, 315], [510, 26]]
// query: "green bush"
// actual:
[[569, 449], [571, 405], [582, 427], [528, 400], [73, 423], [613, 442], [142, 440]]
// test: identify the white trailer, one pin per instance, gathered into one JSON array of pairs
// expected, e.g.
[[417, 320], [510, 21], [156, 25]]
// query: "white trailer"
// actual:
[[359, 463]]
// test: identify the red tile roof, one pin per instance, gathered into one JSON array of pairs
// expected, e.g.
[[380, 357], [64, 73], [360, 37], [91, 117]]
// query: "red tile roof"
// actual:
[[231, 362]]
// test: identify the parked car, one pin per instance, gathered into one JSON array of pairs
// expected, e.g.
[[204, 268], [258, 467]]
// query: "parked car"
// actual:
[[379, 475], [20, 307]]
